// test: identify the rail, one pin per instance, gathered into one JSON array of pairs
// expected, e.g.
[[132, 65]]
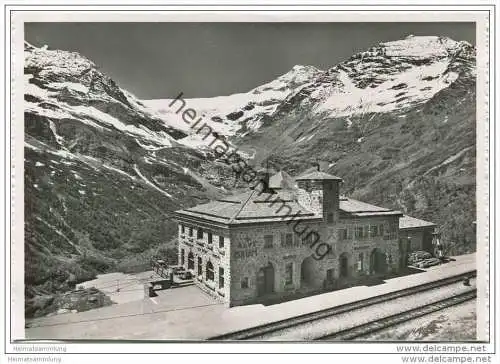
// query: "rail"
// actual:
[[386, 322]]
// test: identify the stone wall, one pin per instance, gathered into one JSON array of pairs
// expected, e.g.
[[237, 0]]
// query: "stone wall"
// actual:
[[249, 255], [359, 249], [309, 272]]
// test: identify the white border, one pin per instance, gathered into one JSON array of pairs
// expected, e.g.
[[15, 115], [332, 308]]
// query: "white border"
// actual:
[[240, 14]]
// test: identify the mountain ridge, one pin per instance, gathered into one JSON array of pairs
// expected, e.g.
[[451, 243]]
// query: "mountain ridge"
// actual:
[[370, 81], [102, 175]]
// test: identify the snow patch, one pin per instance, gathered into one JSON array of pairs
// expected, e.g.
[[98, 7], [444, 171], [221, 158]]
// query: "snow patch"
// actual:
[[419, 47], [70, 85], [415, 85]]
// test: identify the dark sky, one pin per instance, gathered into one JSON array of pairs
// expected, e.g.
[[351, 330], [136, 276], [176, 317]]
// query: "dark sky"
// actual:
[[159, 60]]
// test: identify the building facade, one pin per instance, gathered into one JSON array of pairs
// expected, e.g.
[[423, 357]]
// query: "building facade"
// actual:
[[273, 244]]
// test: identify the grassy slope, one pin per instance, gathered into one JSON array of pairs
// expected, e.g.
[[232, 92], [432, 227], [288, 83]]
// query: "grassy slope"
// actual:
[[90, 212]]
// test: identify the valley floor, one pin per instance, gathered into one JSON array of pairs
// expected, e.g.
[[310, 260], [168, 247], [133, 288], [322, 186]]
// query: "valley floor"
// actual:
[[189, 314]]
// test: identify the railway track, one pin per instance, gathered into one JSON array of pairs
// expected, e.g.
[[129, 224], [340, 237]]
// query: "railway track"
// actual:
[[273, 327], [386, 322]]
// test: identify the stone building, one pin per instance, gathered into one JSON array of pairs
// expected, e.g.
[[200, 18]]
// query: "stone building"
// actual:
[[272, 243]]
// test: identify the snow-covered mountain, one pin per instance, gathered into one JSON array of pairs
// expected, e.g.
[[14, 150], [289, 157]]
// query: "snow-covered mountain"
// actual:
[[226, 115], [102, 173]]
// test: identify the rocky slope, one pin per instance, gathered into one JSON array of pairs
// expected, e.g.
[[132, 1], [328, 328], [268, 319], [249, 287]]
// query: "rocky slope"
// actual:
[[102, 174]]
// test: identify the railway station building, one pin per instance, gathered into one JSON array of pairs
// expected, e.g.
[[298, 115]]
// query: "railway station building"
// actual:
[[292, 237]]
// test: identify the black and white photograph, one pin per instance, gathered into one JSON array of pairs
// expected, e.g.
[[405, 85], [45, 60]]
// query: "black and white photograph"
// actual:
[[252, 179]]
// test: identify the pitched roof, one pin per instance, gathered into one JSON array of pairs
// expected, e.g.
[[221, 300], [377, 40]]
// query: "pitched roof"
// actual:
[[317, 175], [251, 207], [408, 222], [254, 206], [360, 209]]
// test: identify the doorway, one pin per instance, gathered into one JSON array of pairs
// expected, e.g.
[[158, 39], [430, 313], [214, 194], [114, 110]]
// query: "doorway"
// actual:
[[307, 272], [378, 264], [343, 266]]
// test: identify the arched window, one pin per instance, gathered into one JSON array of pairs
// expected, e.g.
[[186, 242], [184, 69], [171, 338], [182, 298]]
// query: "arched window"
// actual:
[[190, 260], [210, 271], [200, 269]]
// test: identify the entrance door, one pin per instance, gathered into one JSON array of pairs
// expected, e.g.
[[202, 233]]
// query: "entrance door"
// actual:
[[265, 280], [307, 272], [378, 263]]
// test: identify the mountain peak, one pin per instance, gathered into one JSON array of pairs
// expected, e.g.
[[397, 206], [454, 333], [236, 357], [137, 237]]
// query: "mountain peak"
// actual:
[[55, 61], [300, 74], [421, 47], [28, 45], [304, 68]]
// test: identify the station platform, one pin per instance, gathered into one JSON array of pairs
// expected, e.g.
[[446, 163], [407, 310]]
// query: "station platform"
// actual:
[[187, 313]]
